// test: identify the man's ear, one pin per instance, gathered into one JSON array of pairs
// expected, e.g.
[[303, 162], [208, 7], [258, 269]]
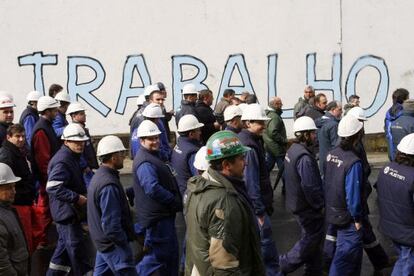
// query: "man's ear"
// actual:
[[225, 164]]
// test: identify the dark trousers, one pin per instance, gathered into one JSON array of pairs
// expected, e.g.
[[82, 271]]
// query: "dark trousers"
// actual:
[[278, 160], [347, 260], [162, 258], [372, 247], [117, 262], [405, 262], [308, 250], [268, 247], [70, 253]]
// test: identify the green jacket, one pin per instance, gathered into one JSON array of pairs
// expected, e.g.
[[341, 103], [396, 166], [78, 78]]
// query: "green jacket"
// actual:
[[222, 236], [300, 107], [274, 136]]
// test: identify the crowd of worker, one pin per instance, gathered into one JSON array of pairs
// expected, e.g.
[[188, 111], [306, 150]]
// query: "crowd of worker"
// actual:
[[215, 174]]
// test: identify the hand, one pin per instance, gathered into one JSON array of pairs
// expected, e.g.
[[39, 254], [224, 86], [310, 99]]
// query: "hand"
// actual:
[[260, 220], [82, 200], [358, 225]]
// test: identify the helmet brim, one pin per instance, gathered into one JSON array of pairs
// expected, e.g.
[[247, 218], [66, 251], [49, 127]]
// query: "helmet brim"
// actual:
[[10, 181], [242, 150]]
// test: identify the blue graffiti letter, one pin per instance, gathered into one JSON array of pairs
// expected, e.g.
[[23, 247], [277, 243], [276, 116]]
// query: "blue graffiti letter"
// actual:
[[234, 61], [177, 75], [382, 90], [37, 59], [134, 62], [84, 90], [272, 82], [334, 84], [272, 75]]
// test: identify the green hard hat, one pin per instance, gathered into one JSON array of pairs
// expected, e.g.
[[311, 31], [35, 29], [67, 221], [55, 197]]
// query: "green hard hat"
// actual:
[[224, 144]]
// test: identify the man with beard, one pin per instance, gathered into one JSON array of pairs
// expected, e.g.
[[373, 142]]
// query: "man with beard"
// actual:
[[109, 217], [222, 231], [305, 199]]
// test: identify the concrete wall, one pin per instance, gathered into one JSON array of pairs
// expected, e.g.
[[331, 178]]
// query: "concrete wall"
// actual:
[[104, 52]]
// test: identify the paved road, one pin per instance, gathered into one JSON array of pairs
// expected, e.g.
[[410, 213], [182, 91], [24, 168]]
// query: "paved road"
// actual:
[[285, 229]]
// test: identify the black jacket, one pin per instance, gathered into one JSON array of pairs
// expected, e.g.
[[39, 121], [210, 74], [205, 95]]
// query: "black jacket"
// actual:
[[314, 112], [18, 162], [186, 108], [3, 132], [206, 116], [14, 256]]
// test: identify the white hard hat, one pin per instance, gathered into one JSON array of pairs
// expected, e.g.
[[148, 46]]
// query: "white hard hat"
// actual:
[[200, 161], [46, 102], [349, 125], [406, 144], [141, 99], [6, 175], [147, 128], [189, 88], [254, 112], [33, 96], [232, 111], [243, 106], [7, 94], [303, 123], [62, 97], [150, 88], [74, 132], [188, 122], [358, 112], [153, 110], [109, 144], [6, 101], [75, 107]]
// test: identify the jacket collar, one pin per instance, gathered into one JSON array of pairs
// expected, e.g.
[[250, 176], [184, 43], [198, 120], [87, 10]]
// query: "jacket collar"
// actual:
[[185, 102], [225, 100], [328, 115], [11, 146], [6, 125], [188, 140], [5, 204], [68, 150], [309, 149], [201, 103], [235, 130], [253, 136], [277, 111], [215, 179], [30, 108], [110, 170], [152, 152], [47, 121]]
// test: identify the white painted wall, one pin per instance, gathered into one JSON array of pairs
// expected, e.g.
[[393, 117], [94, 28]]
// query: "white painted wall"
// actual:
[[211, 31]]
